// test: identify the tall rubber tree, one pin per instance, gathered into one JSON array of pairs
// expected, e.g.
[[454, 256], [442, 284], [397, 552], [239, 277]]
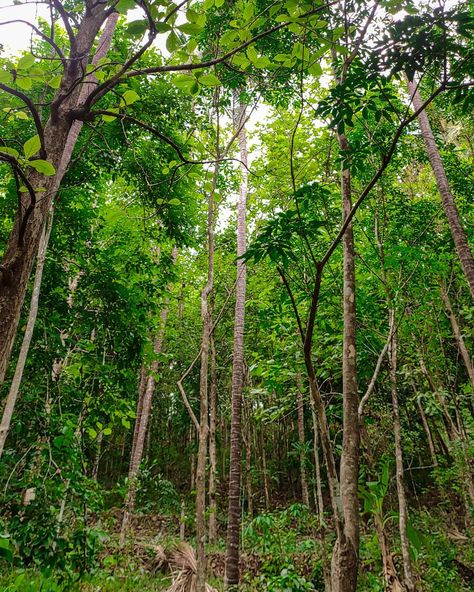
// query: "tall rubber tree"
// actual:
[[235, 472]]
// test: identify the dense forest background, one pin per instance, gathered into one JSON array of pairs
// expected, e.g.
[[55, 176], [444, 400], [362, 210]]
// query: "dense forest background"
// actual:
[[236, 295]]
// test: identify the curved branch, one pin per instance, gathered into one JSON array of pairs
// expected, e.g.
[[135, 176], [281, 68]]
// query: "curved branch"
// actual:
[[43, 36], [31, 107]]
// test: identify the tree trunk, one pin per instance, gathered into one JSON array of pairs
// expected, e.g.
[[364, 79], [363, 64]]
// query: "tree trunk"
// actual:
[[402, 505], [345, 555], [429, 437], [449, 205], [25, 346], [318, 496], [102, 49], [59, 139], [206, 315], [302, 440], [145, 395], [458, 336], [235, 469], [212, 446]]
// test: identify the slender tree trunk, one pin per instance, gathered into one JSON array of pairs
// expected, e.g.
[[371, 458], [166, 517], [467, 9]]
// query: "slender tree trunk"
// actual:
[[346, 551], [206, 315], [302, 440], [458, 336], [402, 504], [449, 205], [429, 436], [145, 396], [212, 446], [318, 497], [235, 469], [248, 463], [23, 243]]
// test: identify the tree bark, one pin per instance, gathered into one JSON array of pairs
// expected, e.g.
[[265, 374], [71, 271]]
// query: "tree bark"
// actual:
[[449, 205], [145, 396], [203, 434], [345, 556], [102, 49], [458, 336], [212, 445], [235, 470], [302, 440], [402, 504], [25, 237]]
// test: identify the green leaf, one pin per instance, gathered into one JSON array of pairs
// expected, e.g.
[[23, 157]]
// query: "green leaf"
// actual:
[[55, 82], [185, 82], [172, 42], [9, 151], [43, 166], [209, 80], [218, 3], [109, 118], [24, 83], [163, 27], [31, 146], [190, 28], [130, 97], [26, 62], [137, 28], [107, 431], [174, 202], [124, 5], [5, 76]]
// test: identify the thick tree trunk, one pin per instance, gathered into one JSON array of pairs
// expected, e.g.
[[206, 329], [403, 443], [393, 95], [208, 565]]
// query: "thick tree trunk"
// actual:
[[402, 504], [27, 337], [449, 205], [345, 555], [302, 440], [102, 49], [25, 237], [235, 469]]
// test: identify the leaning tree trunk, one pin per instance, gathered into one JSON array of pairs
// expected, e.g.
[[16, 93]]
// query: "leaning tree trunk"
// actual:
[[402, 504], [145, 396], [449, 205], [101, 51], [235, 470], [345, 556], [24, 239], [458, 336]]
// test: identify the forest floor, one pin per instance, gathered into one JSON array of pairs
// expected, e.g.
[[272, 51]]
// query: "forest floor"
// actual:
[[282, 551]]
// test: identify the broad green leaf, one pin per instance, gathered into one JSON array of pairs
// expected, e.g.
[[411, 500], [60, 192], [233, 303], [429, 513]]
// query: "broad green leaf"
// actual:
[[124, 5], [130, 97], [24, 83], [174, 202], [26, 62], [31, 146], [190, 28], [137, 28], [172, 42], [43, 166], [55, 82], [9, 151], [5, 76], [209, 80]]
